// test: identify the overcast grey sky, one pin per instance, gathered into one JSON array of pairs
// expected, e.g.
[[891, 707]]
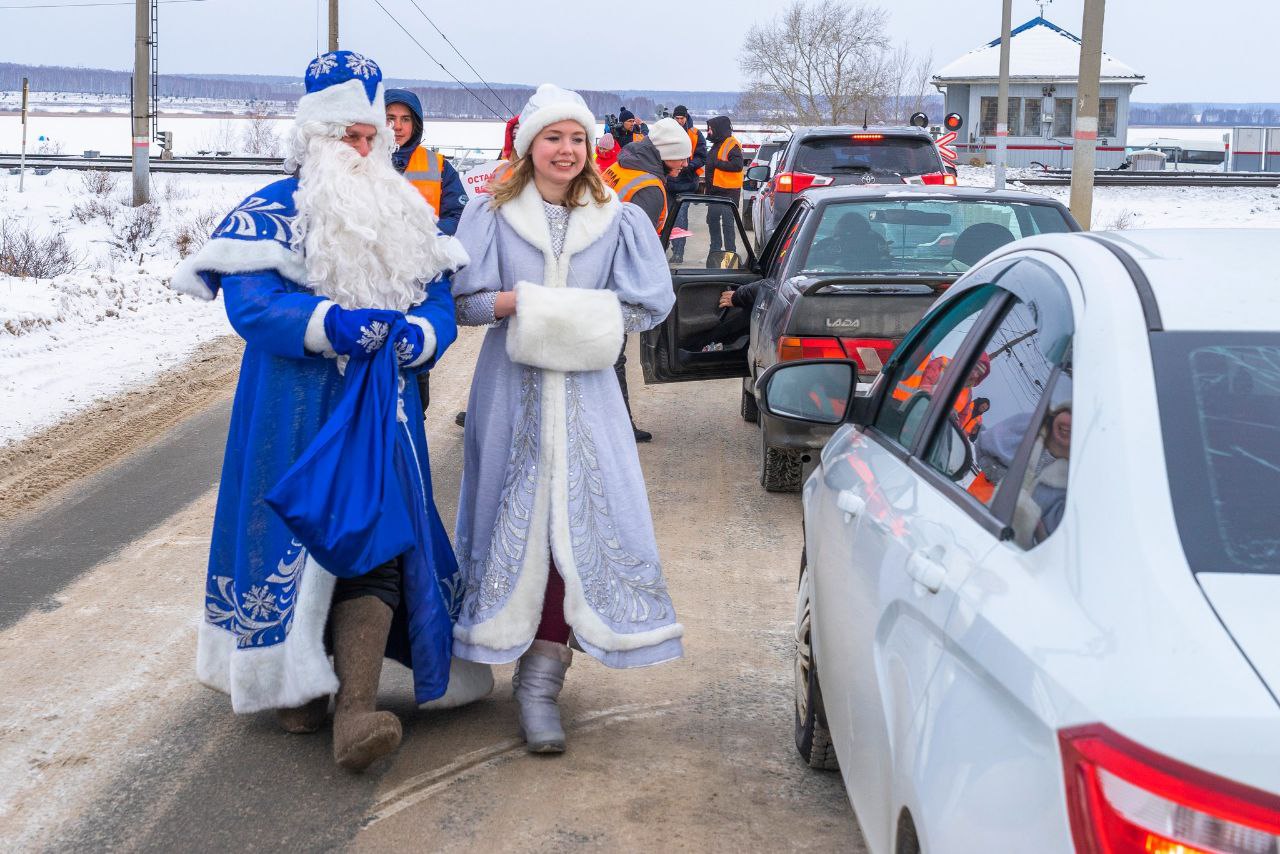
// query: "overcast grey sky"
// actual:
[[1189, 50]]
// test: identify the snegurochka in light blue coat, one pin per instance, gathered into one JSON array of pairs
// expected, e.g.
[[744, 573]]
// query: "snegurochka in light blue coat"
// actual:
[[554, 533]]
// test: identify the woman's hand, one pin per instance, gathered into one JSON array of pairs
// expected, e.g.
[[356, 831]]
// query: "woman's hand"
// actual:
[[504, 305]]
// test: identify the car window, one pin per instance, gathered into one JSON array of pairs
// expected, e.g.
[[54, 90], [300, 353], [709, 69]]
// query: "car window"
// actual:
[[787, 242], [911, 385], [705, 236], [1219, 395], [867, 153], [1009, 435], [922, 236]]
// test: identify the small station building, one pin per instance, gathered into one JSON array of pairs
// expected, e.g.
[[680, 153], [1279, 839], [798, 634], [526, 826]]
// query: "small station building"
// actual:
[[1044, 67]]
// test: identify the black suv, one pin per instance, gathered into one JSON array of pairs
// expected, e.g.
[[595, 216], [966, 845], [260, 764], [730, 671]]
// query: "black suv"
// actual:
[[836, 156]]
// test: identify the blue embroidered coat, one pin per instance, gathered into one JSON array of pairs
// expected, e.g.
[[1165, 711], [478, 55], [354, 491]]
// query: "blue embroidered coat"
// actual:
[[266, 599]]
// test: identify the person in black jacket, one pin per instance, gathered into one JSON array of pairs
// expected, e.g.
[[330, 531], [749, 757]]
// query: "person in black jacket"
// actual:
[[687, 180], [724, 156]]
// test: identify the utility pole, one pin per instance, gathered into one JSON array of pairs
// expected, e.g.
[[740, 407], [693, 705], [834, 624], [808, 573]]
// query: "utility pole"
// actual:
[[333, 25], [1002, 101], [1086, 135], [22, 158], [141, 103]]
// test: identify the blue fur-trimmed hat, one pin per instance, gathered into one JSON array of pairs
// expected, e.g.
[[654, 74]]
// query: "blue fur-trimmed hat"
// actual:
[[343, 87]]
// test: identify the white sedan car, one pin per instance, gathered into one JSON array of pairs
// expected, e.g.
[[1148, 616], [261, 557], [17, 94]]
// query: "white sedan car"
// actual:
[[1040, 602]]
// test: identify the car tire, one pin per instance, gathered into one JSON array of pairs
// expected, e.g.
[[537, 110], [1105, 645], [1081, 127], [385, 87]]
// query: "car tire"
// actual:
[[813, 739], [749, 410], [779, 467]]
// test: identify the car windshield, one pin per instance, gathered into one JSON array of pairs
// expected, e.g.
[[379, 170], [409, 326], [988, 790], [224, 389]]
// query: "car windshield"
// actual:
[[874, 153], [921, 236], [1220, 415]]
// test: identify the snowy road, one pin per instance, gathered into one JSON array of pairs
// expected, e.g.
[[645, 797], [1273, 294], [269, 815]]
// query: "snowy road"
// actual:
[[107, 743]]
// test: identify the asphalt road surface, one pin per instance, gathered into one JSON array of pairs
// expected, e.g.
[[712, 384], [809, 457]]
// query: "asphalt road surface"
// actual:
[[108, 743]]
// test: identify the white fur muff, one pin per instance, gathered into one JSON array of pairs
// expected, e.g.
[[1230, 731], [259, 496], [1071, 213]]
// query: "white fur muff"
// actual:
[[565, 329]]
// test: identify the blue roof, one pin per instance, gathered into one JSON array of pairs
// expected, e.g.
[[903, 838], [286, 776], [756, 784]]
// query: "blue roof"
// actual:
[[1038, 22]]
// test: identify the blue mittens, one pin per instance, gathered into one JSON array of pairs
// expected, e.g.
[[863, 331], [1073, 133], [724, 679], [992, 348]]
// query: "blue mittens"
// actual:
[[409, 344], [359, 332]]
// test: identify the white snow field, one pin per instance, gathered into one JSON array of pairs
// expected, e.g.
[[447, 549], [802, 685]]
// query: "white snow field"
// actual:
[[112, 323]]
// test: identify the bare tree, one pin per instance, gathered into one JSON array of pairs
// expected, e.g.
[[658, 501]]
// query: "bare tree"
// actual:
[[260, 137], [819, 62], [829, 62], [909, 85]]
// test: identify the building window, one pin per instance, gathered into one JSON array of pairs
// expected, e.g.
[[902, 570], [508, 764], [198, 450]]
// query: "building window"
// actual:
[[1013, 119], [1031, 119], [1106, 117], [1062, 116]]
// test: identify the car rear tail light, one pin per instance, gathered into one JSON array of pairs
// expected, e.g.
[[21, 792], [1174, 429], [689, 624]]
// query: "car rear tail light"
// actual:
[[869, 353], [867, 137], [1125, 799], [939, 179], [791, 348], [794, 182]]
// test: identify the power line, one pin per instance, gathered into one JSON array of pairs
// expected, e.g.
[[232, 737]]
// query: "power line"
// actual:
[[103, 3], [504, 104], [437, 62]]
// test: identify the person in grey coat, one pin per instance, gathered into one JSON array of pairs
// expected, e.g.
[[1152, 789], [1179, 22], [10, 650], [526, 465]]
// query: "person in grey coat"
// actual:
[[554, 535]]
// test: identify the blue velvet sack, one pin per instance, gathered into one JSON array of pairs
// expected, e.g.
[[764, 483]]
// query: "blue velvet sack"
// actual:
[[346, 499]]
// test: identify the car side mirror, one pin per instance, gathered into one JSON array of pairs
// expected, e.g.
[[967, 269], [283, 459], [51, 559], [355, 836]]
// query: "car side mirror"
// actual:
[[758, 173], [813, 391]]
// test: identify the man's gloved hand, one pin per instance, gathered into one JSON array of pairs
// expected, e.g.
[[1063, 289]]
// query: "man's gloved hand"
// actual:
[[358, 332], [409, 344]]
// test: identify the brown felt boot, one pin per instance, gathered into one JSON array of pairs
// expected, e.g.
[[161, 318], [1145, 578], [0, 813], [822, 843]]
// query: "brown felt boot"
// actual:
[[360, 734], [306, 718]]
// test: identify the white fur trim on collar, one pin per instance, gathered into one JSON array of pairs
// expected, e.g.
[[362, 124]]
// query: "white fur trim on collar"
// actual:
[[587, 222], [228, 256], [343, 103]]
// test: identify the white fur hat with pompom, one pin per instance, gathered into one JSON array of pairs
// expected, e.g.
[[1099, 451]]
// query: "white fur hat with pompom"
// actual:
[[551, 104]]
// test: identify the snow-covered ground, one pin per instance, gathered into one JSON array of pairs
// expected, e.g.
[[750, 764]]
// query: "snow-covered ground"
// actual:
[[113, 324]]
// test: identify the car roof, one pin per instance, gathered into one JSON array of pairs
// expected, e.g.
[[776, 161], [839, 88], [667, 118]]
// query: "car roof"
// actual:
[[836, 130], [1209, 278], [872, 192]]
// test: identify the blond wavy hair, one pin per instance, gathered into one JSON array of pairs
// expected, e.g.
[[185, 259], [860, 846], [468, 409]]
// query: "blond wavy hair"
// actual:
[[519, 173]]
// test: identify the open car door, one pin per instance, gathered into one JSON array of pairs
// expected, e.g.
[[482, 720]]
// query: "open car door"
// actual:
[[699, 340]]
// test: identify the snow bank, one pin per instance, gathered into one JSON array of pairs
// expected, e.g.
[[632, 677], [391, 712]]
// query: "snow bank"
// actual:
[[112, 323]]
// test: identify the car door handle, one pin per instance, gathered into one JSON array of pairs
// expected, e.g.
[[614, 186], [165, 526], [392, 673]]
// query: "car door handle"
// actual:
[[927, 571], [851, 503]]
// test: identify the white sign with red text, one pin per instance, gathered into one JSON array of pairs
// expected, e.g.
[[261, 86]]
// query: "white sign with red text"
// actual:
[[476, 180]]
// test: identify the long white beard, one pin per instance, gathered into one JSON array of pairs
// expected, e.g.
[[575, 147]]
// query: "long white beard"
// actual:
[[368, 237]]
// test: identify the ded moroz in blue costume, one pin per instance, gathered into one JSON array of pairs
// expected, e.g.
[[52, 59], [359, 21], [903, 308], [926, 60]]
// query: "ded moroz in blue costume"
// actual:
[[317, 269]]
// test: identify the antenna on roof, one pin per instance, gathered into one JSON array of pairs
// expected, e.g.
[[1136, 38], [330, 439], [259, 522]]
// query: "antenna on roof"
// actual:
[[1042, 4], [864, 119]]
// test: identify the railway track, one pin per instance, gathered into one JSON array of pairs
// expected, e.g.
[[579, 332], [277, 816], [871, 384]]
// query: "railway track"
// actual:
[[199, 165], [1125, 178]]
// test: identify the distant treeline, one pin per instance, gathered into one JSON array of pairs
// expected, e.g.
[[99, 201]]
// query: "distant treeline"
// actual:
[[1213, 115], [439, 100]]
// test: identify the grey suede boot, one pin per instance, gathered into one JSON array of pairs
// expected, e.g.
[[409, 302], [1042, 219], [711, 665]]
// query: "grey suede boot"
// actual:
[[306, 718], [537, 681], [361, 735]]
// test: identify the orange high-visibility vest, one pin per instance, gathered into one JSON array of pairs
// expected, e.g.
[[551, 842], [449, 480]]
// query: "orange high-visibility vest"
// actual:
[[627, 182], [693, 146], [722, 179], [426, 172]]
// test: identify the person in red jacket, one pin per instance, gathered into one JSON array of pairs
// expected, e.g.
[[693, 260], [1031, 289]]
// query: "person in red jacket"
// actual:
[[607, 149], [509, 138]]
